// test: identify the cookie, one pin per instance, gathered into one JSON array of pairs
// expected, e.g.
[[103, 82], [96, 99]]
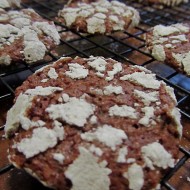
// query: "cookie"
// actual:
[[94, 123], [25, 36], [171, 45], [102, 17], [9, 3], [165, 2]]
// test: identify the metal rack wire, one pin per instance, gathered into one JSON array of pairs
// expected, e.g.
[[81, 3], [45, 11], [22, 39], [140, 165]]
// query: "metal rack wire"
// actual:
[[127, 47]]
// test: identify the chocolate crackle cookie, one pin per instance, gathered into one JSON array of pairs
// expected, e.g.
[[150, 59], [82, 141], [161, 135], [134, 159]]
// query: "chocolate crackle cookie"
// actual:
[[25, 36], [165, 2], [94, 123], [171, 44], [99, 17], [9, 3]]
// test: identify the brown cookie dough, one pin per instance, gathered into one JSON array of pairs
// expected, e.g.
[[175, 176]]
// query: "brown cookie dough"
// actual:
[[25, 36], [171, 44], [165, 2], [94, 123], [99, 17]]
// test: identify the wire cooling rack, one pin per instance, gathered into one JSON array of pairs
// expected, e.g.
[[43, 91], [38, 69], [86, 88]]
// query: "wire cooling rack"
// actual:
[[127, 47]]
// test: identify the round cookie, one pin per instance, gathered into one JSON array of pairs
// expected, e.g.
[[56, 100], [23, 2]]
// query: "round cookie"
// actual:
[[171, 44], [165, 2], [101, 17], [94, 123], [25, 36]]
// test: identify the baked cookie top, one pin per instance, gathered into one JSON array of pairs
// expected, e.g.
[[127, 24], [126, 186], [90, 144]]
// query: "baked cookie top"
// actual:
[[94, 123], [25, 36], [99, 17], [171, 44], [165, 2], [9, 3]]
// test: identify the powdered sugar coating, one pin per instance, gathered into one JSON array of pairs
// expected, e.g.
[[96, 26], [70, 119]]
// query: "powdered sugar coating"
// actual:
[[74, 112], [93, 175], [135, 177], [41, 140], [106, 134], [155, 154]]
